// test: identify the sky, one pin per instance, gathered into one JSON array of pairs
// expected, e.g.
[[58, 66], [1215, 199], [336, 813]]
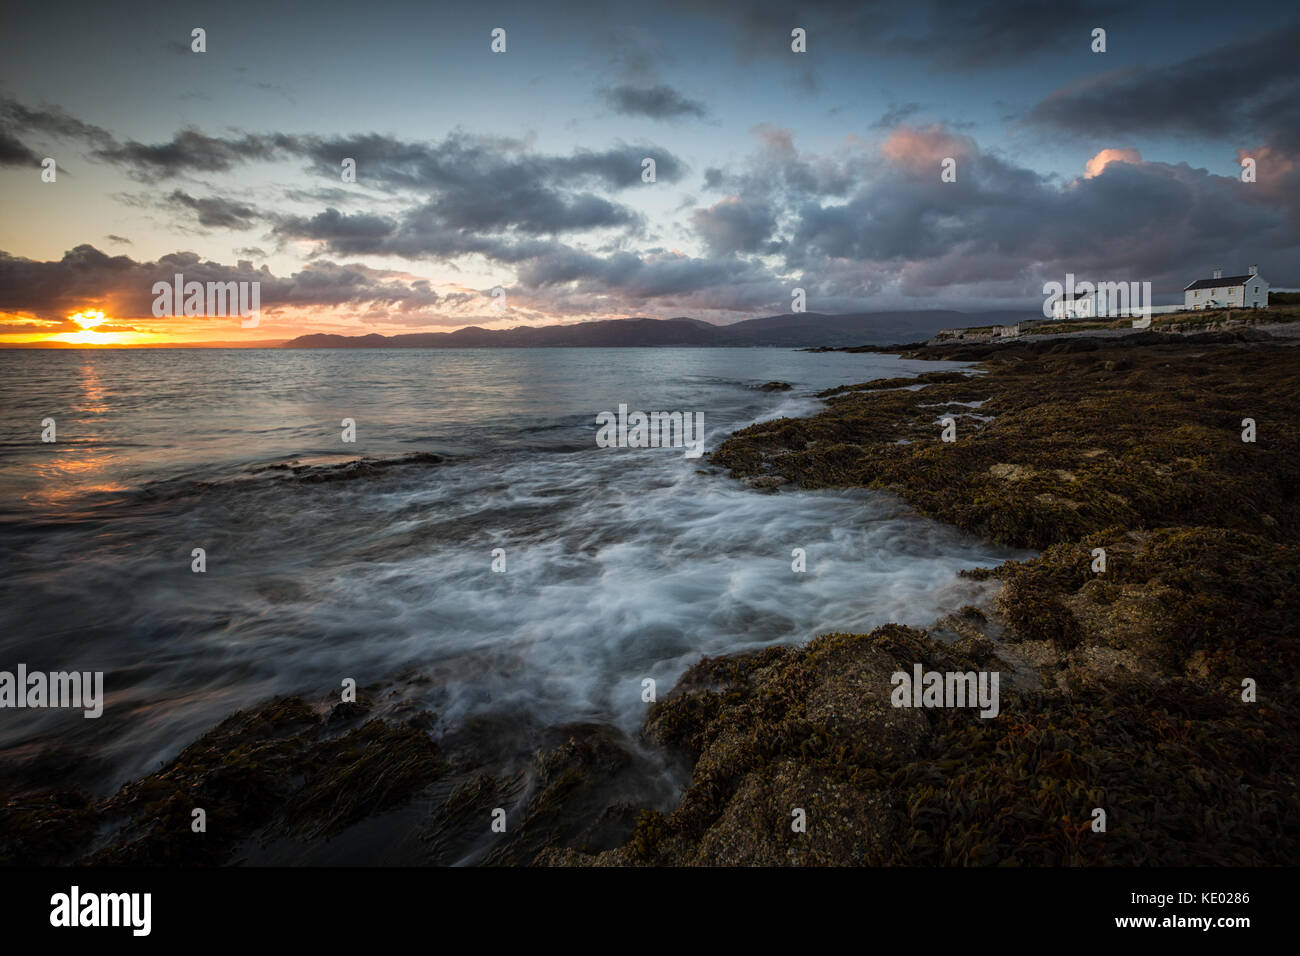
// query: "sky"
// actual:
[[523, 171]]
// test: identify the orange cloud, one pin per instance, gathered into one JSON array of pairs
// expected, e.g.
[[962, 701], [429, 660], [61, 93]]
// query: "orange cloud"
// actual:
[[919, 150], [1273, 166], [1099, 162]]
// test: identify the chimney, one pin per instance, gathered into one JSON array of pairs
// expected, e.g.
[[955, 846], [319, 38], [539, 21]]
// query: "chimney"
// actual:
[[1254, 270], [1218, 273]]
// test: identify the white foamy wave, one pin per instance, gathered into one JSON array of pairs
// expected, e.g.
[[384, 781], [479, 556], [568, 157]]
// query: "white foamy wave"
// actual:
[[622, 564]]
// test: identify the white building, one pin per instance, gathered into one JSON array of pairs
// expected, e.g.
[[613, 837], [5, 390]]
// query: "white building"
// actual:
[[1239, 292], [1076, 305], [1102, 300]]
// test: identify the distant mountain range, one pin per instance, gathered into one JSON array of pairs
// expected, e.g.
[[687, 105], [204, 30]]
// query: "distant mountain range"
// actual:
[[802, 330]]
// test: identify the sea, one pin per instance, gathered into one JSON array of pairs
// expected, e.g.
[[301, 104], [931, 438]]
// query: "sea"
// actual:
[[472, 552]]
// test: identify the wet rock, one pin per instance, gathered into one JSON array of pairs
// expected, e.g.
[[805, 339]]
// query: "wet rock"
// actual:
[[278, 769]]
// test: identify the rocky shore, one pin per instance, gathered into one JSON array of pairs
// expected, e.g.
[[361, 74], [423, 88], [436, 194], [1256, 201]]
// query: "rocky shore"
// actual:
[[1122, 689], [1126, 686]]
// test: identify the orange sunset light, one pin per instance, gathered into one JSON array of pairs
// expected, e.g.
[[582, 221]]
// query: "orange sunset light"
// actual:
[[88, 320], [88, 332]]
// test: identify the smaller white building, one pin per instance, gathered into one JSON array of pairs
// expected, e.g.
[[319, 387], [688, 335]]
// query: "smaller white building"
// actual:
[[1248, 291], [1077, 305]]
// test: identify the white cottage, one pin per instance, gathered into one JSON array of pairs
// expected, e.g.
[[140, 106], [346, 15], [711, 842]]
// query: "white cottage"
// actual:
[[1075, 305], [1238, 292]]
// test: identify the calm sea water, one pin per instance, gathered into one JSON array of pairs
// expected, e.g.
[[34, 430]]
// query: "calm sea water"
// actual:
[[621, 564]]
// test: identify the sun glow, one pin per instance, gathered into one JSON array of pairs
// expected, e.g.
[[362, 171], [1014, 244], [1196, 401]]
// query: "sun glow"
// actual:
[[95, 328], [88, 319]]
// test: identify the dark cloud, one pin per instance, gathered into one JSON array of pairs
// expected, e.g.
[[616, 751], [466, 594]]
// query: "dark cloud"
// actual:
[[466, 195], [123, 286], [14, 153], [51, 289], [776, 177], [656, 102], [16, 119], [736, 225], [1001, 223], [485, 197], [532, 209], [667, 279], [418, 233], [459, 162], [547, 266], [990, 33], [50, 121], [1248, 91], [466, 163], [214, 212], [473, 183], [948, 36], [341, 232], [190, 151]]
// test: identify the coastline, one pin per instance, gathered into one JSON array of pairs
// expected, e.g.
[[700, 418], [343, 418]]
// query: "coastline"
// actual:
[[1138, 705], [1115, 686]]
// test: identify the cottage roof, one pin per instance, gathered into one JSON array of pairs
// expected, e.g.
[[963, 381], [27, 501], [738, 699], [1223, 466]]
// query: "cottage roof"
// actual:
[[1225, 282]]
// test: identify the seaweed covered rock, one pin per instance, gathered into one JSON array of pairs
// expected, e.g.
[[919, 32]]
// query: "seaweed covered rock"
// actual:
[[1054, 447], [1187, 775], [1133, 453], [1168, 584], [283, 767], [1208, 603], [289, 782]]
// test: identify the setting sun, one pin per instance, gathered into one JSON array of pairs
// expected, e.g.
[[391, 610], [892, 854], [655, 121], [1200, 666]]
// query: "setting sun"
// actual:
[[98, 328], [88, 319]]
